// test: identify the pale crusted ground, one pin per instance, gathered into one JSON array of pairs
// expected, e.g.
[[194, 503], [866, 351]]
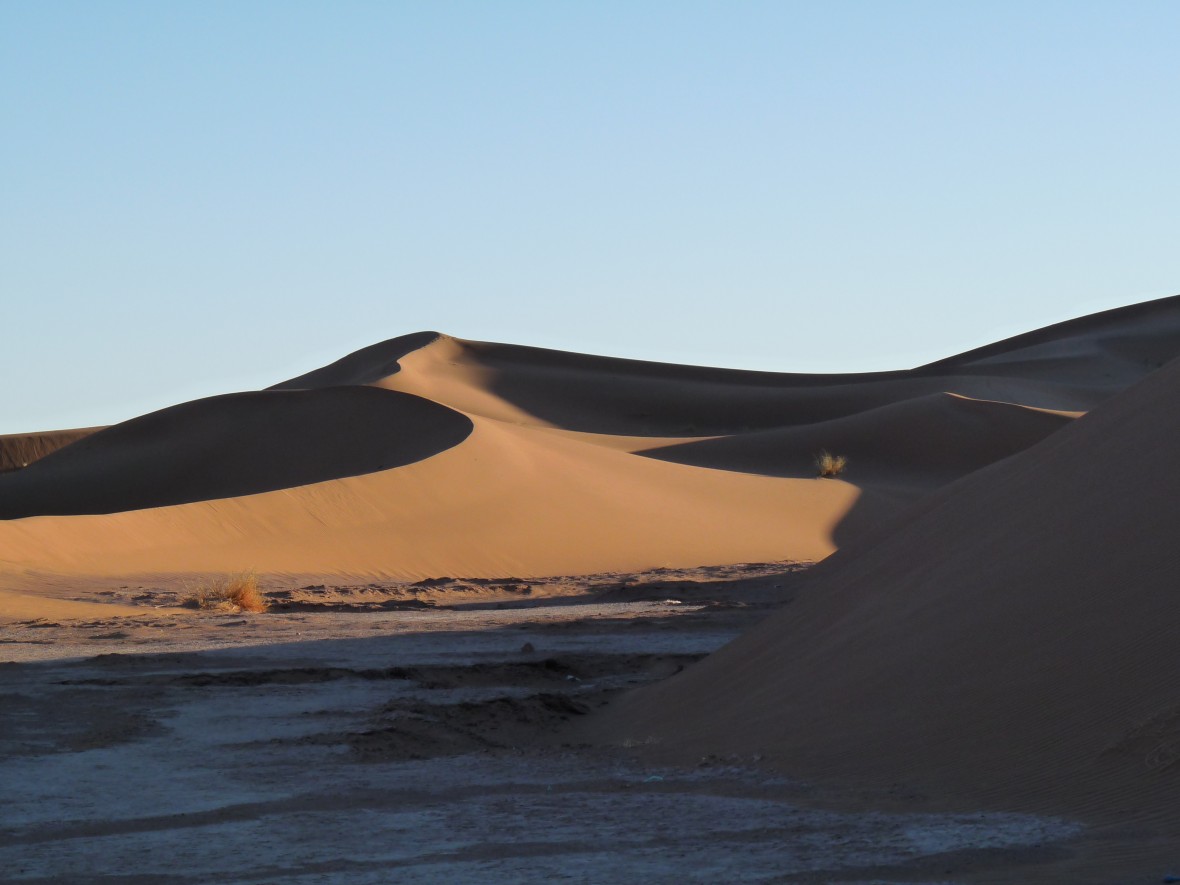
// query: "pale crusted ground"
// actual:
[[363, 743]]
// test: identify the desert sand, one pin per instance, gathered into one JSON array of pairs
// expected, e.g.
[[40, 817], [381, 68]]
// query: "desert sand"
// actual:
[[1011, 639], [427, 456], [987, 630]]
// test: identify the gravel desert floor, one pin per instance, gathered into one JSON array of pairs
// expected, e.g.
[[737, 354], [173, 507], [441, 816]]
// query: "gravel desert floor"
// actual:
[[368, 743]]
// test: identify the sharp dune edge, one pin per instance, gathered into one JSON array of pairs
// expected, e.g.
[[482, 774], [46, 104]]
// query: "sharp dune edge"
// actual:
[[507, 501], [234, 445], [1003, 591]]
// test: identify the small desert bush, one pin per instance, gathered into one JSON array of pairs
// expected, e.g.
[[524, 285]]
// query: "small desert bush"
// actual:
[[234, 593], [830, 465]]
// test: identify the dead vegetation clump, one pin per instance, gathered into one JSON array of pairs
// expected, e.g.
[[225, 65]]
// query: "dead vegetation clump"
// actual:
[[234, 593], [830, 465]]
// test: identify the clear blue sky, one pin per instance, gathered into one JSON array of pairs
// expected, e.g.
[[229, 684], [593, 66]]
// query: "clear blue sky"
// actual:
[[212, 196]]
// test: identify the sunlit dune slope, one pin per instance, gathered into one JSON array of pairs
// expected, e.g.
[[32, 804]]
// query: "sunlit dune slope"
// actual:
[[1012, 640], [507, 501]]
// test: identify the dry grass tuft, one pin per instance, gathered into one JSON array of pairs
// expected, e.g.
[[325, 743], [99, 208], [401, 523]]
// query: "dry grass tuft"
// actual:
[[830, 465], [235, 593]]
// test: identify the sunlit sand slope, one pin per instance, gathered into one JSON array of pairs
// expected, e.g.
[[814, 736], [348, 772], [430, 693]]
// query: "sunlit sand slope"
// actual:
[[507, 501]]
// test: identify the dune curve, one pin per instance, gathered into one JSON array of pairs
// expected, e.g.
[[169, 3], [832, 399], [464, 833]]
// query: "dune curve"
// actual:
[[231, 445]]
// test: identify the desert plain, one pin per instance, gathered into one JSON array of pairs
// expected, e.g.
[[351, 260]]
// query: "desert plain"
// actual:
[[533, 615]]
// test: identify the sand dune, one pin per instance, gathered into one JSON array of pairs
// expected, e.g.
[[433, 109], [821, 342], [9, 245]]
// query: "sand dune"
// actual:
[[507, 501], [573, 462], [1012, 641], [19, 450], [1071, 366], [958, 435], [365, 366], [992, 624], [1114, 346], [232, 445]]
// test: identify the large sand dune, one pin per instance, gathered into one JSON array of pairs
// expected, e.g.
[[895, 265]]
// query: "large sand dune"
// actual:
[[427, 455], [1012, 639], [508, 501]]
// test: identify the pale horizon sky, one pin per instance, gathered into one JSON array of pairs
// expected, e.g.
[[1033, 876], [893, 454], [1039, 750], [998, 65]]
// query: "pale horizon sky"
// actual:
[[197, 198]]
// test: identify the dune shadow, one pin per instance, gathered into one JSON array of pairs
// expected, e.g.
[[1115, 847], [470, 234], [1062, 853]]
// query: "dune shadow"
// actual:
[[232, 445]]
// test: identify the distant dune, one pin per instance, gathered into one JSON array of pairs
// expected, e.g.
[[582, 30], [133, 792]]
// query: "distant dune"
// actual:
[[427, 455]]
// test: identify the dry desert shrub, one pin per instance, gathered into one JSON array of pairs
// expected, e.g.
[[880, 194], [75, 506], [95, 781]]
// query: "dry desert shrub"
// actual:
[[830, 465], [234, 593]]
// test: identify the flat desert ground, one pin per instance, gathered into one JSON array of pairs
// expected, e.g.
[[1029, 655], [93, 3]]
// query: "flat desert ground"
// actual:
[[535, 615]]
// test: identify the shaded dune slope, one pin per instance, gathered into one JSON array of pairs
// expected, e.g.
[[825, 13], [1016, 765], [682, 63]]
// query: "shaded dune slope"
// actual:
[[922, 442], [1012, 641], [237, 444], [1112, 344], [365, 366], [19, 450], [1071, 366]]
